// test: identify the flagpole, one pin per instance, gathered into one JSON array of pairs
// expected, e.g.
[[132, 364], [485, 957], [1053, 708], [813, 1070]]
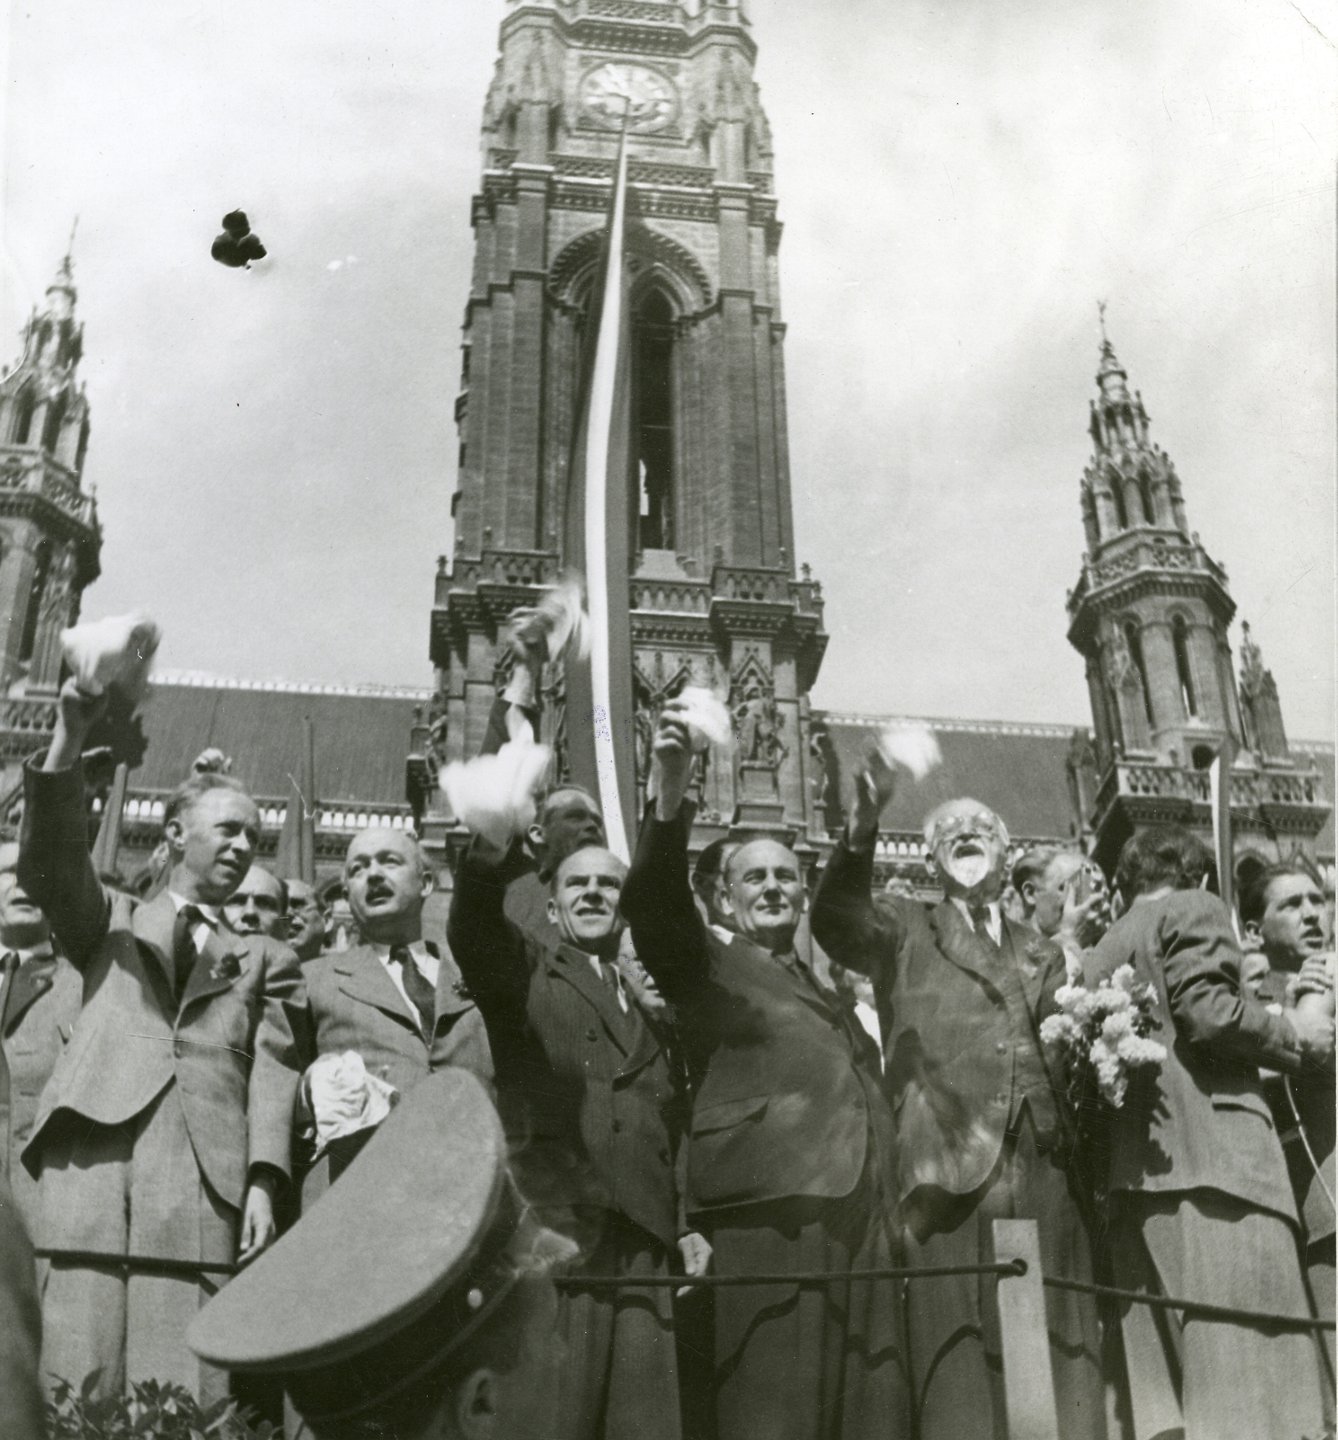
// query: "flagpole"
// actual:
[[1219, 795], [600, 582]]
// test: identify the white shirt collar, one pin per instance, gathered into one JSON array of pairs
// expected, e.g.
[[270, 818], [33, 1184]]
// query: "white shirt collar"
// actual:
[[994, 920], [208, 913]]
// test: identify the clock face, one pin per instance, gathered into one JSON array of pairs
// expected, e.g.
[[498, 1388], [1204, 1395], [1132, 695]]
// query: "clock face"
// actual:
[[646, 96]]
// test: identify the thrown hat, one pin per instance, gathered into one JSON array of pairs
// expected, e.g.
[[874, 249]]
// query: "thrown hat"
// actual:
[[399, 1262]]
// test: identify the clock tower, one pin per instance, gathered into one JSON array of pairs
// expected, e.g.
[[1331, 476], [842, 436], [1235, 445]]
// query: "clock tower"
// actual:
[[715, 597]]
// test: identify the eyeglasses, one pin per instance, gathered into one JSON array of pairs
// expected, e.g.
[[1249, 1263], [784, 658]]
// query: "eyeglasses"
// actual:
[[983, 822]]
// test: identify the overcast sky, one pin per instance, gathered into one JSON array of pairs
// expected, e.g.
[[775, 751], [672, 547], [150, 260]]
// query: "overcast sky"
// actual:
[[960, 182]]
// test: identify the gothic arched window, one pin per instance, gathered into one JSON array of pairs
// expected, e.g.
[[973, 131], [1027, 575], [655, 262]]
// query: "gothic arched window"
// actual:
[[23, 414], [55, 414], [652, 477], [1180, 639], [36, 594], [1121, 513], [1145, 495], [1135, 643]]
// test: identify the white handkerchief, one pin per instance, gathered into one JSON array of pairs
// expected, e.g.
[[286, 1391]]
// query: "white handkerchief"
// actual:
[[116, 651], [493, 795], [345, 1097], [558, 623], [706, 717], [913, 747]]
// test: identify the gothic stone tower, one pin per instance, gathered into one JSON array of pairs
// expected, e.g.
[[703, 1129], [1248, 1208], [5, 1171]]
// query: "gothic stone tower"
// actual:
[[49, 535], [1150, 616], [715, 599]]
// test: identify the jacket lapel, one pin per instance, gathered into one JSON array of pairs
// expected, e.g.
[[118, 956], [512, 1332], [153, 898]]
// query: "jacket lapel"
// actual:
[[958, 942], [216, 968], [31, 981], [152, 925], [452, 997], [574, 967], [1031, 972], [363, 978]]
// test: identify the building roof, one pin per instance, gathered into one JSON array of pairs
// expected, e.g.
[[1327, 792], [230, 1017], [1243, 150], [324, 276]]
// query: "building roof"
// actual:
[[1017, 770], [361, 736]]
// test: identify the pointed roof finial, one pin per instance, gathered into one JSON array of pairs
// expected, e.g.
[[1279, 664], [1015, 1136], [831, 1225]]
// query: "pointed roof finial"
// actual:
[[1101, 318]]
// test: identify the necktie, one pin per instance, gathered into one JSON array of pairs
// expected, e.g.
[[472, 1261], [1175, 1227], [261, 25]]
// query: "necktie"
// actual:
[[609, 970], [980, 920], [184, 953], [416, 986], [9, 970]]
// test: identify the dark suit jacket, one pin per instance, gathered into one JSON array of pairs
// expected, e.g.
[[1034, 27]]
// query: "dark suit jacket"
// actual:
[[37, 1015], [228, 1043], [953, 1057], [588, 1093], [22, 1414], [784, 1107], [1201, 1120]]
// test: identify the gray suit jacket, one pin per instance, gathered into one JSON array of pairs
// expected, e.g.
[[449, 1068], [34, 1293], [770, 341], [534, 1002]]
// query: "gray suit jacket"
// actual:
[[228, 1043], [353, 1004], [1200, 1120], [37, 1017]]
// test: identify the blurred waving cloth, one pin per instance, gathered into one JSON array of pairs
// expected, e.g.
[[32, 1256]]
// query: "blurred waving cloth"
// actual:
[[597, 542]]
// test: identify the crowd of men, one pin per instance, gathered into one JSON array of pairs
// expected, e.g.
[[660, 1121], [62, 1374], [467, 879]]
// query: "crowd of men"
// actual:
[[640, 1076]]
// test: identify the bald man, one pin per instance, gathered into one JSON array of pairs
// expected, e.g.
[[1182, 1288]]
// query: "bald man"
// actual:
[[984, 1130], [791, 1155], [590, 1097], [393, 998]]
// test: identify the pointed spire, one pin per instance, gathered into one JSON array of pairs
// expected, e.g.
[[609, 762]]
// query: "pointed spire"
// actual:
[[1109, 367]]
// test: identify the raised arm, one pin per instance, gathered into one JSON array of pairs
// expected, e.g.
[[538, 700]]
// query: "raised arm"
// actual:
[[668, 933], [490, 951], [849, 925], [54, 864], [1201, 961]]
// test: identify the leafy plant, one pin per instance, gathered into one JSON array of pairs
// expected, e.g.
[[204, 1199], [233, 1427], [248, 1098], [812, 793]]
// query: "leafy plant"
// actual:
[[152, 1411]]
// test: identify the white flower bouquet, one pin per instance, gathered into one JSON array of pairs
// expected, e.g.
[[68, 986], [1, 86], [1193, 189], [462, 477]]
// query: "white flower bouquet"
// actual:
[[1101, 1035]]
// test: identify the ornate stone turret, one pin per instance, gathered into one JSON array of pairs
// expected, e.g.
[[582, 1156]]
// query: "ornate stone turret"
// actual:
[[715, 598], [1150, 616], [1260, 708], [49, 536]]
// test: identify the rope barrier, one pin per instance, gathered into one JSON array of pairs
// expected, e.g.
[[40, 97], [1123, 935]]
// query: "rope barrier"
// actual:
[[1200, 1308], [1004, 1269], [141, 1264], [1001, 1268]]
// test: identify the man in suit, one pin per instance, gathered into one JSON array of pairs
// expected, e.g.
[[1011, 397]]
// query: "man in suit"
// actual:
[[791, 1148], [40, 996], [258, 906], [982, 1129], [590, 1097], [1201, 1202], [307, 919], [166, 1127], [22, 1413], [1282, 910], [393, 998]]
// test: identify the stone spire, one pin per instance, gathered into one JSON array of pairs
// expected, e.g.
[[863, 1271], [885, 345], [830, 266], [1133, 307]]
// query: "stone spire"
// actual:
[[1261, 710], [1130, 482]]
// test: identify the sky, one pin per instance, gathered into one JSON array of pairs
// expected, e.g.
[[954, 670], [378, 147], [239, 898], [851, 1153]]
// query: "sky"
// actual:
[[960, 182]]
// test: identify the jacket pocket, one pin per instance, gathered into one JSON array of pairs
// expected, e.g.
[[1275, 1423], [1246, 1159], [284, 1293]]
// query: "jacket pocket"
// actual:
[[707, 1119]]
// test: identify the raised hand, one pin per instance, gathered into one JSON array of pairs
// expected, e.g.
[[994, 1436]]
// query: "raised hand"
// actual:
[[671, 760], [77, 712], [875, 784]]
